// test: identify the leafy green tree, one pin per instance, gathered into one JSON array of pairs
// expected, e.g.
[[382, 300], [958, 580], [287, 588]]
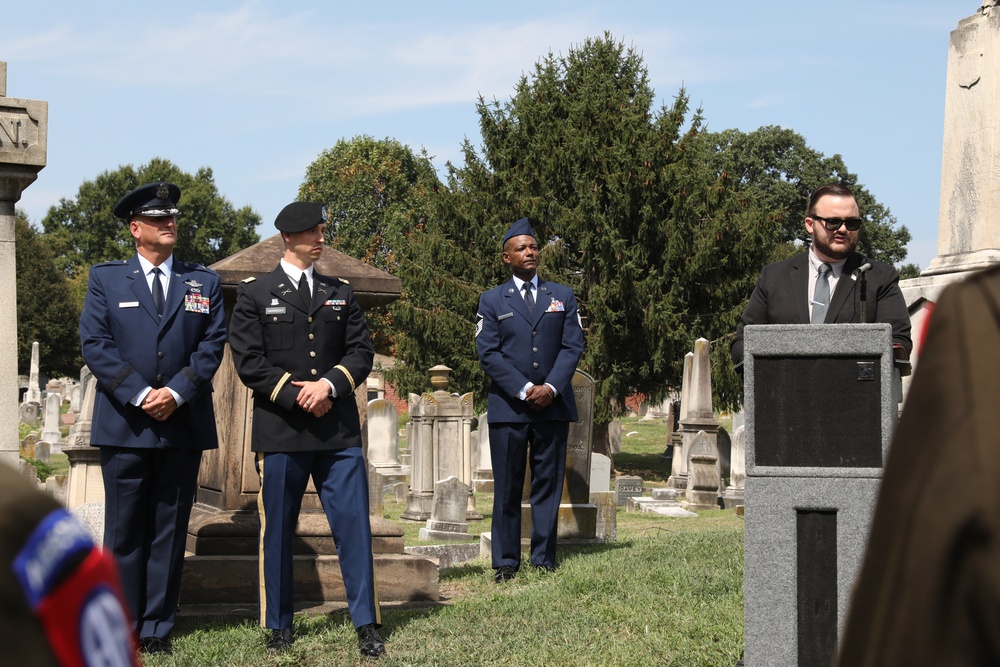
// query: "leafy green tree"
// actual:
[[84, 231], [774, 170], [373, 190], [46, 310]]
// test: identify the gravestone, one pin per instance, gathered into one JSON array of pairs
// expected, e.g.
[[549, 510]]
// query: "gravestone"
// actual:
[[482, 476], [86, 482], [724, 446], [678, 465], [615, 436], [27, 413], [383, 437], [447, 522], [34, 393], [735, 493], [627, 486], [703, 475], [376, 492], [50, 428], [27, 448], [75, 391], [600, 473], [441, 446]]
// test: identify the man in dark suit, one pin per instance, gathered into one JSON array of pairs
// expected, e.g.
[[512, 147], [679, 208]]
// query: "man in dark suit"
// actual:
[[152, 332], [824, 284], [529, 339], [300, 342]]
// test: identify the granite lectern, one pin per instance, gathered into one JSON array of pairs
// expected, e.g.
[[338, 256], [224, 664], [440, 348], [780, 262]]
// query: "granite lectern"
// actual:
[[821, 404]]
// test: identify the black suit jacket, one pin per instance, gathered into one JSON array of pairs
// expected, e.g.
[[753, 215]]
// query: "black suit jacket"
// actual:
[[781, 297], [275, 339]]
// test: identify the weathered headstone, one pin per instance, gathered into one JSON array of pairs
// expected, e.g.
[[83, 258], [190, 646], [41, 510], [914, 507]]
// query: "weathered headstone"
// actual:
[[27, 413], [376, 492], [600, 473], [447, 522], [75, 391], [703, 475], [615, 436], [627, 486], [482, 476], [383, 437], [735, 492], [441, 446], [27, 449], [678, 466], [724, 446], [607, 514], [34, 393], [699, 415], [50, 428]]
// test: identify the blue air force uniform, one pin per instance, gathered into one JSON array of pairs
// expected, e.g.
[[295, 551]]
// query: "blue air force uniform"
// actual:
[[150, 467], [276, 339], [516, 349]]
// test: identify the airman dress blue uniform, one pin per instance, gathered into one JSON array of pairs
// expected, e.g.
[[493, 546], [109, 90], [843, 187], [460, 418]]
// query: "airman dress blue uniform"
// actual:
[[516, 348], [150, 467], [276, 339]]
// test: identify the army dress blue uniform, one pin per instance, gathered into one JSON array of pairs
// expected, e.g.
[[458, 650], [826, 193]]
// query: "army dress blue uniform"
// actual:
[[277, 339], [516, 348], [150, 467]]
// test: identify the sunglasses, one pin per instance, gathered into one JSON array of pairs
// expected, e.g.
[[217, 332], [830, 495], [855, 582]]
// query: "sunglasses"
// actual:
[[833, 224]]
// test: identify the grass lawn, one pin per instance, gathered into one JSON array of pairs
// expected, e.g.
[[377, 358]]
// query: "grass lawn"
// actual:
[[668, 591]]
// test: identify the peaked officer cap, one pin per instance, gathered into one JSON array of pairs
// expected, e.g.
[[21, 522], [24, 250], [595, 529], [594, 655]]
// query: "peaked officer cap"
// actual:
[[157, 200]]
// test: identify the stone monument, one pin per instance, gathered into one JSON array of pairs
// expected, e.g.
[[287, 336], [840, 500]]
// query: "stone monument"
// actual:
[[968, 236], [34, 393], [440, 446], [23, 146], [447, 522], [383, 438], [678, 464]]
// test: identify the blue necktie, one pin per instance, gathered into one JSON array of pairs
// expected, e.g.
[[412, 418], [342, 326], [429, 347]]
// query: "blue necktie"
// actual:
[[529, 300]]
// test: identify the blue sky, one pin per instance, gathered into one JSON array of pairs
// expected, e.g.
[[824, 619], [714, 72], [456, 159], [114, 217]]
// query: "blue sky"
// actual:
[[256, 89]]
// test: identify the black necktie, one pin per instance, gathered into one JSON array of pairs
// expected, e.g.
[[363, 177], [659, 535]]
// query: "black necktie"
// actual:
[[821, 295], [304, 293], [529, 300], [157, 291]]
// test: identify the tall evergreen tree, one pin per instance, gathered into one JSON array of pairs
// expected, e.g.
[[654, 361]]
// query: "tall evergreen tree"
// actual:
[[46, 310]]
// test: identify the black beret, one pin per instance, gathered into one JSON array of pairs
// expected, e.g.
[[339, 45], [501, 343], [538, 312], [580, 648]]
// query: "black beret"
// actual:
[[520, 228], [157, 200], [300, 216]]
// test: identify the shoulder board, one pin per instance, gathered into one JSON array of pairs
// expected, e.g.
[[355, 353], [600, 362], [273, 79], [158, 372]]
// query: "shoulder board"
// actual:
[[114, 262], [249, 280], [346, 282]]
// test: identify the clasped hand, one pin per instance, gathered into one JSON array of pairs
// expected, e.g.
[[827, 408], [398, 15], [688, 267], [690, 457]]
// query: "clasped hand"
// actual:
[[314, 397]]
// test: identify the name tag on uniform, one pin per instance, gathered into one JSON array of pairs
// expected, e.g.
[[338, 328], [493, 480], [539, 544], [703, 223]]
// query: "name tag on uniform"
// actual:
[[555, 307], [275, 311], [196, 303], [128, 304], [504, 316]]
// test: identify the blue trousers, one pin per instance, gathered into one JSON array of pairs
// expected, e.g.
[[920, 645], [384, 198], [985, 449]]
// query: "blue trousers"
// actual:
[[512, 447], [148, 496], [341, 478]]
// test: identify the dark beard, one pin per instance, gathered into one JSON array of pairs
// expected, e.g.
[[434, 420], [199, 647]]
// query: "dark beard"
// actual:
[[838, 255]]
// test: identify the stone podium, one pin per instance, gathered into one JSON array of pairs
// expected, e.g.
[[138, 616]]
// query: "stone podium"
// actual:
[[821, 405]]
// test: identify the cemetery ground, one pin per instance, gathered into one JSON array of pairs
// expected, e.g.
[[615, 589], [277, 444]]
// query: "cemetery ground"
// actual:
[[667, 591]]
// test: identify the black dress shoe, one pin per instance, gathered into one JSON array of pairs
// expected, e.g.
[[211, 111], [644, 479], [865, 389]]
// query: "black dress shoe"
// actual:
[[151, 645], [504, 573], [545, 569], [279, 640], [370, 642]]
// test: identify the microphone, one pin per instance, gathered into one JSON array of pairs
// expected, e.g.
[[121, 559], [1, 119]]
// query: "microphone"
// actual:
[[863, 290]]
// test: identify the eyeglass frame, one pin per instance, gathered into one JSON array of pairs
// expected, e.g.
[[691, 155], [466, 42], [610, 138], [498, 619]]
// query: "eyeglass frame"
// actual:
[[852, 224]]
